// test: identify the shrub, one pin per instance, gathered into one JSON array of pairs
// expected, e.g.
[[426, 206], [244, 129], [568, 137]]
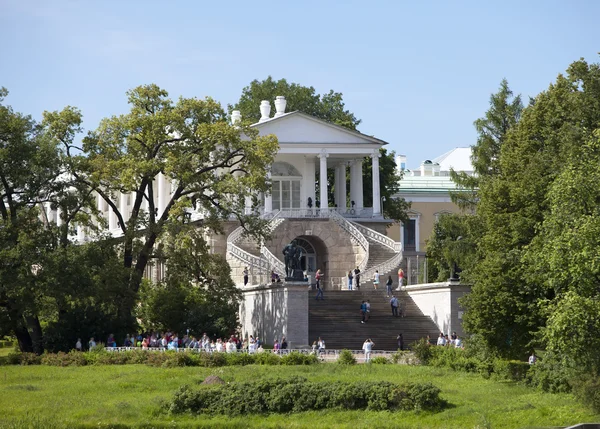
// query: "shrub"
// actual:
[[380, 360], [72, 358], [297, 358], [157, 358], [267, 359], [587, 390], [346, 358], [422, 350], [240, 358], [511, 369], [552, 375], [29, 359], [404, 357], [297, 394]]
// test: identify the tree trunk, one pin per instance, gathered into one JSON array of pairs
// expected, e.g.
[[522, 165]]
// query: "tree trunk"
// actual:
[[37, 336], [19, 329]]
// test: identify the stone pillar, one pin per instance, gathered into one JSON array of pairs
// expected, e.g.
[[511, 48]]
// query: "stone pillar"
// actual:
[[80, 233], [308, 181], [376, 189], [248, 205], [359, 184], [269, 195], [123, 207], [58, 216], [343, 192], [162, 194], [112, 220], [337, 198], [323, 178]]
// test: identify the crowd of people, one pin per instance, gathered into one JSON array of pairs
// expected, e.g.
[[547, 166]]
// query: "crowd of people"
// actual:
[[452, 341], [172, 341]]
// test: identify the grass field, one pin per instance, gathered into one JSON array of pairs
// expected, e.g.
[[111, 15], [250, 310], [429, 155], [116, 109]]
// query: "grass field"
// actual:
[[134, 396]]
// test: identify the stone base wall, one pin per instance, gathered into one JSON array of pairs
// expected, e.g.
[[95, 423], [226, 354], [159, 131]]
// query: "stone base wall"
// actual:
[[440, 302], [275, 311]]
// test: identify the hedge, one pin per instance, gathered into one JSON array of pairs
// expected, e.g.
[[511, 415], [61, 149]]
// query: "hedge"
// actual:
[[296, 394]]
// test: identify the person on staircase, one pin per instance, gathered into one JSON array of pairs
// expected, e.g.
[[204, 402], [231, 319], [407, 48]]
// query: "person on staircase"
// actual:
[[350, 280], [363, 311], [376, 279], [245, 276], [394, 304], [319, 278], [388, 286], [368, 304], [400, 279], [357, 278]]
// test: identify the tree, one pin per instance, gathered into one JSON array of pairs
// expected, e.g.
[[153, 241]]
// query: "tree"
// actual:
[[492, 130], [211, 165], [329, 107], [520, 209], [198, 293]]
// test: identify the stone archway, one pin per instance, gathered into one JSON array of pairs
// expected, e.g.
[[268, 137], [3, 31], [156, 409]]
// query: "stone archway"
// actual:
[[314, 248]]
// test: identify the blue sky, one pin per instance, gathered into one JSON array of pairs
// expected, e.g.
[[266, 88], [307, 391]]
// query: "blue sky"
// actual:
[[418, 73]]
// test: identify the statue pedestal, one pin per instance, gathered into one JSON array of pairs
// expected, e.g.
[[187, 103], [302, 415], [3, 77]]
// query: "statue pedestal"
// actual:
[[297, 276]]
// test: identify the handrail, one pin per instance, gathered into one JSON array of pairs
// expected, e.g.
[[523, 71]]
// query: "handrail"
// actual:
[[274, 262], [355, 234], [378, 237], [383, 268]]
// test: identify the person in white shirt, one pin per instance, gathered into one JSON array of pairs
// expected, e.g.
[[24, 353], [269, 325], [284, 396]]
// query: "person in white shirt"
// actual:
[[532, 359], [92, 343], [368, 347], [458, 343], [78, 346], [376, 279], [441, 341]]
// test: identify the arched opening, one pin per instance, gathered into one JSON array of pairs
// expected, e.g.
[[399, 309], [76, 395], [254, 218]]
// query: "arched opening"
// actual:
[[314, 253]]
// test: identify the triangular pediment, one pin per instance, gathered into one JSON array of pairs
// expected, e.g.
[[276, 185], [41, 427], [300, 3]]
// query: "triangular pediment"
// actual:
[[297, 127]]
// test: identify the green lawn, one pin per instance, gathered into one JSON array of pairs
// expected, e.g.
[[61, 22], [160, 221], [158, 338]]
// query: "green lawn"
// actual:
[[134, 395]]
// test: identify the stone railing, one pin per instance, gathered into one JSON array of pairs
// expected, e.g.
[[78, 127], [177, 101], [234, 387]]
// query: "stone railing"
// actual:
[[383, 268], [273, 261], [262, 264], [326, 213], [379, 238], [355, 235]]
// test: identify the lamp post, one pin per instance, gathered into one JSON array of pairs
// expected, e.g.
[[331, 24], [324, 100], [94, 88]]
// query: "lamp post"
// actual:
[[382, 201]]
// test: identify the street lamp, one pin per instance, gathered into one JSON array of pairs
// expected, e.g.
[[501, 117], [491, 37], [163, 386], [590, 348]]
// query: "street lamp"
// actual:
[[382, 201]]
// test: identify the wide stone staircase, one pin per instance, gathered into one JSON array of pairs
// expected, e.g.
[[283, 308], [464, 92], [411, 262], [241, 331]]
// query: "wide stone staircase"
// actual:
[[337, 320]]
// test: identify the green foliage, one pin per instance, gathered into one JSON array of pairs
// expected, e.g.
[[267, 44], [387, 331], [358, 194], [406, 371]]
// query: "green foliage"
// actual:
[[298, 394], [380, 360], [513, 370], [587, 390], [550, 374], [346, 358], [329, 107], [297, 358], [73, 358], [422, 350]]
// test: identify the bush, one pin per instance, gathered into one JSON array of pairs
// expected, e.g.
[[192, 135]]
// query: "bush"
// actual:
[[550, 374], [297, 394], [297, 358], [29, 359], [513, 370], [422, 350], [72, 358], [587, 390], [240, 358], [346, 358], [267, 359], [381, 360], [404, 357]]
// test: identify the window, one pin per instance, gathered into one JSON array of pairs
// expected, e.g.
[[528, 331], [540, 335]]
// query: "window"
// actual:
[[286, 194], [410, 235]]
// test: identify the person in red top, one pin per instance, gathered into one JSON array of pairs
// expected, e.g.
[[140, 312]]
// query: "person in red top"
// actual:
[[400, 278]]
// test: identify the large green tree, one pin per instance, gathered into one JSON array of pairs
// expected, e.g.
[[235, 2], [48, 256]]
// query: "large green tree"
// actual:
[[211, 165], [329, 107], [521, 210]]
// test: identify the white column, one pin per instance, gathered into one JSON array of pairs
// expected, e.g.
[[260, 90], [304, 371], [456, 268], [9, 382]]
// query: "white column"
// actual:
[[308, 178], [323, 178], [58, 216], [336, 186], [343, 192], [359, 184], [112, 220], [123, 207], [248, 205], [162, 194], [80, 233], [417, 233], [376, 190], [269, 196]]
